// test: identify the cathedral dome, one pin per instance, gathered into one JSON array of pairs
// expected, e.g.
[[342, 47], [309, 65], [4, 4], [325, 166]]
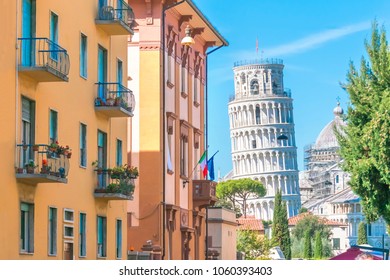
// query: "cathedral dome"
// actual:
[[327, 137]]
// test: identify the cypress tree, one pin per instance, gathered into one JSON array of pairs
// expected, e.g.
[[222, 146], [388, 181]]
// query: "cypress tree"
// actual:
[[362, 234], [280, 232], [307, 250], [318, 250], [286, 244]]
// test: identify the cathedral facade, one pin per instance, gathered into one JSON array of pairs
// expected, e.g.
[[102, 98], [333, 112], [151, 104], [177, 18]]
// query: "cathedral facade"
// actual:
[[325, 190]]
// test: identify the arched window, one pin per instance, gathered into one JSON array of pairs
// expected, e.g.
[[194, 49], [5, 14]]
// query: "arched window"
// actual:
[[254, 87], [257, 115]]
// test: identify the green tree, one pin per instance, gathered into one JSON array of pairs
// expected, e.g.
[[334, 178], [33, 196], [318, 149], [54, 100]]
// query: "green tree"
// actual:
[[280, 231], [318, 249], [302, 210], [311, 223], [238, 191], [365, 141], [253, 245], [307, 250], [362, 234]]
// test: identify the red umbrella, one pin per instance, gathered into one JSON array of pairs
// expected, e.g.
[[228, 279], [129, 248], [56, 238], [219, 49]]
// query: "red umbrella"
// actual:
[[351, 254]]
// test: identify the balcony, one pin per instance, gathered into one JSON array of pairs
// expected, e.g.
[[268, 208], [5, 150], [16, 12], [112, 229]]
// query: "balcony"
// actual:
[[116, 18], [204, 193], [43, 60], [113, 186], [114, 100], [37, 164]]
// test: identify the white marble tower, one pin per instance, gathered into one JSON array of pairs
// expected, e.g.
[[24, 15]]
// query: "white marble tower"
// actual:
[[262, 134]]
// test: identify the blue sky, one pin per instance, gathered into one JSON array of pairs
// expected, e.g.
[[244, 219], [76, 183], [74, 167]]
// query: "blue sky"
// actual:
[[315, 39]]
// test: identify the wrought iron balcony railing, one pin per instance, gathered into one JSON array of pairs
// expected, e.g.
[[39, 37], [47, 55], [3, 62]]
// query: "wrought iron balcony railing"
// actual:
[[116, 18], [114, 100], [111, 186], [37, 164], [43, 60]]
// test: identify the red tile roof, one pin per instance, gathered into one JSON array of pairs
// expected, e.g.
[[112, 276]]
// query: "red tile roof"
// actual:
[[250, 223], [294, 220]]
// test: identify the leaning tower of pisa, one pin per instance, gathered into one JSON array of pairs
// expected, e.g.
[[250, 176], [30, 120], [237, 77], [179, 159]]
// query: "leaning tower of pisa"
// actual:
[[262, 134]]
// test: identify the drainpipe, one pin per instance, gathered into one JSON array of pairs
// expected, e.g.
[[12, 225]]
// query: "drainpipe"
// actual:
[[164, 9], [207, 136], [16, 83]]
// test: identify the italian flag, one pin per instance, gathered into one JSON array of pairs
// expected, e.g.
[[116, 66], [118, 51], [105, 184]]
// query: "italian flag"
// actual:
[[203, 164]]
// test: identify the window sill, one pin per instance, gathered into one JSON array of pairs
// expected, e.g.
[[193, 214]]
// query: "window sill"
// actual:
[[84, 77], [170, 172], [184, 177], [170, 85], [26, 253]]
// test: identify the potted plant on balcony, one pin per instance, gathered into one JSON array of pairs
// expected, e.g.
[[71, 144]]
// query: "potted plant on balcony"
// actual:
[[112, 188], [110, 99], [30, 166], [35, 148], [45, 169]]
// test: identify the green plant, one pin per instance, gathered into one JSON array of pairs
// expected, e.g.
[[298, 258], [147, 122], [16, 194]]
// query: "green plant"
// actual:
[[112, 188], [31, 164]]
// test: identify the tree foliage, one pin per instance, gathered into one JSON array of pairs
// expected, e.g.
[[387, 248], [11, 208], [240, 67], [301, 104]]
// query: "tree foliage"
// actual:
[[362, 234], [280, 231], [307, 250], [311, 223], [365, 141], [254, 245], [238, 191], [318, 249]]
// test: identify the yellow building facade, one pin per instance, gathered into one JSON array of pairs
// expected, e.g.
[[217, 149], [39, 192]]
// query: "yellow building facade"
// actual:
[[65, 105], [168, 214]]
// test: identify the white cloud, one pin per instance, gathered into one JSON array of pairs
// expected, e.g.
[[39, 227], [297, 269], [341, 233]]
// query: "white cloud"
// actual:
[[316, 40]]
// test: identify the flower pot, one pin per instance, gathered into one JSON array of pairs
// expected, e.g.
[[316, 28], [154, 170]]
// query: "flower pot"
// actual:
[[30, 169], [69, 155], [110, 102], [35, 148]]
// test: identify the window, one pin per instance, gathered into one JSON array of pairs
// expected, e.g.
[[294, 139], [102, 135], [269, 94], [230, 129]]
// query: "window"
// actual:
[[257, 115], [337, 179], [118, 152], [28, 31], [102, 70], [83, 56], [26, 227], [68, 215], [53, 36], [52, 234], [101, 236], [28, 125], [184, 81], [53, 119], [184, 148], [83, 145], [171, 142], [82, 235], [119, 72], [68, 231], [102, 157], [336, 243], [253, 144], [254, 87], [118, 239], [196, 90]]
